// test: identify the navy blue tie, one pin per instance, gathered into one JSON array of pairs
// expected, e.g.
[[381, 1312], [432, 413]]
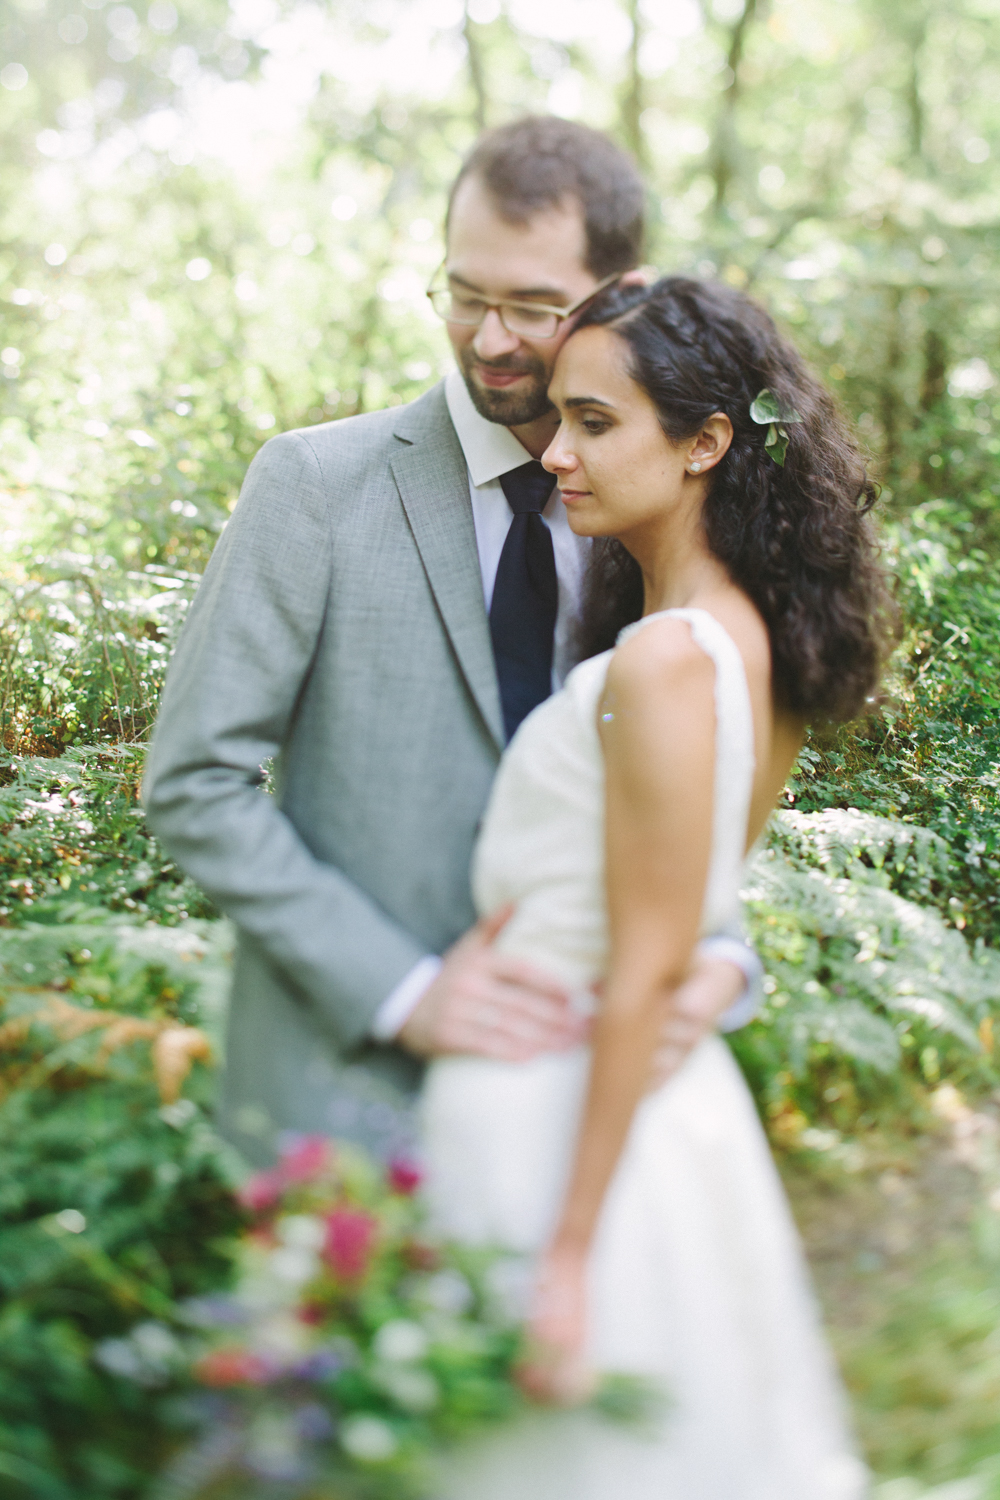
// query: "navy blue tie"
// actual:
[[525, 597]]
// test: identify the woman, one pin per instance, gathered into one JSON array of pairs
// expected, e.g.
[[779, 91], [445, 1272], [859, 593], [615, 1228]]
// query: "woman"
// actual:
[[617, 828]]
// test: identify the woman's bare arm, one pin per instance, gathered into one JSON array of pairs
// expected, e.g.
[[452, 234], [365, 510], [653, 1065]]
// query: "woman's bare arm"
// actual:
[[657, 724], [658, 732]]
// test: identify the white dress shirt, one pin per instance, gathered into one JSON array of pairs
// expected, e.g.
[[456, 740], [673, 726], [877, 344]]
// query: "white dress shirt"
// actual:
[[491, 450]]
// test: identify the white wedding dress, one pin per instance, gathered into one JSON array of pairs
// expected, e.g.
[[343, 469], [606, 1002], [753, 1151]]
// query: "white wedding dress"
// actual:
[[696, 1277]]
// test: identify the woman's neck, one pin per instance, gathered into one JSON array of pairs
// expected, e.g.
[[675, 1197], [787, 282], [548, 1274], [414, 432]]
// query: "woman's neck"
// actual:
[[677, 568]]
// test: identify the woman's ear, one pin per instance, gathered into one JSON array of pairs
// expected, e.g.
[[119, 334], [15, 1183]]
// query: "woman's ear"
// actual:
[[711, 444]]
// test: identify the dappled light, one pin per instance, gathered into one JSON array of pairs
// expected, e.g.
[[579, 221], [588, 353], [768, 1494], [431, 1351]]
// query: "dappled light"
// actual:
[[219, 221]]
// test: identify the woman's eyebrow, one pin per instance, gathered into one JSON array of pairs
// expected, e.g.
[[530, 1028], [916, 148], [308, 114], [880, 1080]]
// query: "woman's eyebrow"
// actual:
[[572, 401]]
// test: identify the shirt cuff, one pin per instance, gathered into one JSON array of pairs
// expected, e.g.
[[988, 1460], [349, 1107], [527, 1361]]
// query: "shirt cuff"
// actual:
[[735, 951], [397, 1008]]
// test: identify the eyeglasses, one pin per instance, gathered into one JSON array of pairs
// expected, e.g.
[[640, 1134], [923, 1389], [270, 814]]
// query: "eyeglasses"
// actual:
[[529, 320]]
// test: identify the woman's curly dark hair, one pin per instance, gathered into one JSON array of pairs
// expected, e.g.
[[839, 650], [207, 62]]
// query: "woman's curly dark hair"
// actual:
[[797, 539]]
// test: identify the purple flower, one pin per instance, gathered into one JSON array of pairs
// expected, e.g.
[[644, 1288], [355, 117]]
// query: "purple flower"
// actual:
[[322, 1364], [314, 1422]]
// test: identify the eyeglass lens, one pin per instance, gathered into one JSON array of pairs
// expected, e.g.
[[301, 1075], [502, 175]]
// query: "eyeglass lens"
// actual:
[[470, 311]]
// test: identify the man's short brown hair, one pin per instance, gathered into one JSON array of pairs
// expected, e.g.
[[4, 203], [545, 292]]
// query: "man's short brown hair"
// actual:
[[538, 161]]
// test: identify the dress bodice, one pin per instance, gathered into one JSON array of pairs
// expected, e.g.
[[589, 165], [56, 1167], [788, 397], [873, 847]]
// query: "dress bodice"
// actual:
[[695, 1279], [541, 846]]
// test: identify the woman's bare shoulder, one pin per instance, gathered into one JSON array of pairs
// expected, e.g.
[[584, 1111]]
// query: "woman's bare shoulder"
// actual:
[[666, 646], [662, 654]]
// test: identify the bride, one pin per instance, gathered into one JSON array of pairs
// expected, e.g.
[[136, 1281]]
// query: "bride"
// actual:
[[661, 1242]]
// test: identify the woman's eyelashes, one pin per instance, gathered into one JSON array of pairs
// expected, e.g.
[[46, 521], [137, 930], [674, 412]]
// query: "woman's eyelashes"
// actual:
[[594, 425]]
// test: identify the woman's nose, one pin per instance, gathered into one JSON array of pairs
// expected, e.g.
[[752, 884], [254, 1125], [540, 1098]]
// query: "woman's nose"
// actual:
[[557, 458]]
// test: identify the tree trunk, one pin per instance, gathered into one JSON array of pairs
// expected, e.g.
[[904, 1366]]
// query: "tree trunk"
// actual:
[[632, 103], [723, 157], [890, 397], [477, 70], [932, 385]]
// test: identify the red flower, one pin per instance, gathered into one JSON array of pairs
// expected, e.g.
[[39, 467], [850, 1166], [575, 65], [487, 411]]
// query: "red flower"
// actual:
[[262, 1191], [305, 1159], [350, 1240], [232, 1367], [404, 1176]]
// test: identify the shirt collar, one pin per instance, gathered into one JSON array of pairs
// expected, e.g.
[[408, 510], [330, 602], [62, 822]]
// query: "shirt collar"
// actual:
[[490, 449]]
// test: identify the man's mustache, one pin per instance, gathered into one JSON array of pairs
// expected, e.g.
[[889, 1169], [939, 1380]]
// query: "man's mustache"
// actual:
[[506, 366]]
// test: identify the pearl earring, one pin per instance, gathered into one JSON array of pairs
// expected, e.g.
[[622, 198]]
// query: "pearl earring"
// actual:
[[695, 468]]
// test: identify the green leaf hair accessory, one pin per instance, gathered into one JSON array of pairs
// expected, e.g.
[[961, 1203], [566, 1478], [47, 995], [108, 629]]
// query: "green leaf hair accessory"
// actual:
[[765, 411]]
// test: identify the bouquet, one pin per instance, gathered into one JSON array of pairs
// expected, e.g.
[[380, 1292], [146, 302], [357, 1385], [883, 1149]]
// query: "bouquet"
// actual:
[[352, 1349]]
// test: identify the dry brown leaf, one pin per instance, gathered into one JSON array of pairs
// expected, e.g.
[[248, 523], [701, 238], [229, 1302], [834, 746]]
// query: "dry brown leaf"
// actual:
[[174, 1050], [174, 1046]]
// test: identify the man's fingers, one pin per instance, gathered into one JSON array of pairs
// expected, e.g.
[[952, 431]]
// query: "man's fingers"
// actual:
[[517, 971], [488, 928], [508, 1003]]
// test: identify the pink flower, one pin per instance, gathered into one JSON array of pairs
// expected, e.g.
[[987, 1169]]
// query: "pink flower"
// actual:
[[305, 1159], [232, 1367], [262, 1191], [350, 1240], [403, 1176]]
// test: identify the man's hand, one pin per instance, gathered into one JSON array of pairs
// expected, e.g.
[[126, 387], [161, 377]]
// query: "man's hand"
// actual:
[[709, 990], [491, 1004]]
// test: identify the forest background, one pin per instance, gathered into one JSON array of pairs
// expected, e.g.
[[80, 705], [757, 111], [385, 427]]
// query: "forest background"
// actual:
[[217, 222]]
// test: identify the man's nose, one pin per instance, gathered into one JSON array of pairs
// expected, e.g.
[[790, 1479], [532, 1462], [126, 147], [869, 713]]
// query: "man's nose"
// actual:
[[492, 339]]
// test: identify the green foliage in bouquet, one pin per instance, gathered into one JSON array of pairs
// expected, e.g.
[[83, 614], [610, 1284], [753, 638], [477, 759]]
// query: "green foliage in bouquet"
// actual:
[[351, 1348], [866, 986], [115, 1197], [354, 1349]]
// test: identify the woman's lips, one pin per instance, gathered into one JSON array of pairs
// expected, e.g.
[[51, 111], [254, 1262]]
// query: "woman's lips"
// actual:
[[569, 497]]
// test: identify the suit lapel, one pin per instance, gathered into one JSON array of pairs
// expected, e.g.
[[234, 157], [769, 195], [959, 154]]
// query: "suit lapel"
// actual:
[[433, 481]]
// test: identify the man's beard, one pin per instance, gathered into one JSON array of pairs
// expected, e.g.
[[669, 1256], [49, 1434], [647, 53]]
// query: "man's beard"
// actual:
[[508, 407]]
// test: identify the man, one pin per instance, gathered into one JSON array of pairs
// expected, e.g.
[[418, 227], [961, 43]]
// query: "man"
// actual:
[[392, 594]]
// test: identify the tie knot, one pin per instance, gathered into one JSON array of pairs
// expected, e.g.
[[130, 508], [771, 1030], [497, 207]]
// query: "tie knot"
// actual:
[[527, 488]]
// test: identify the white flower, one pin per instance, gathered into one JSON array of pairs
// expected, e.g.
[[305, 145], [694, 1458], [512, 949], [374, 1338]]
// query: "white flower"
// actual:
[[301, 1231], [282, 1335], [447, 1292], [414, 1390], [156, 1343], [118, 1357], [367, 1438], [400, 1342], [294, 1265]]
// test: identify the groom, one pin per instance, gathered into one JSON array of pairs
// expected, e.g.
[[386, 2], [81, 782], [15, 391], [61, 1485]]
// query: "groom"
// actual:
[[391, 596]]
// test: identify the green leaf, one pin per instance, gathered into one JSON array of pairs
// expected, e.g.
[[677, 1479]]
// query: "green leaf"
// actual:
[[777, 444], [765, 408]]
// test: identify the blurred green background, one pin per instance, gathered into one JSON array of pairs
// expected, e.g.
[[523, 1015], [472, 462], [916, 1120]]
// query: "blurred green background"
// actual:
[[217, 222]]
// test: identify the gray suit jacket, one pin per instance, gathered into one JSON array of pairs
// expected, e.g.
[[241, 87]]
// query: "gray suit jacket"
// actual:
[[340, 628]]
